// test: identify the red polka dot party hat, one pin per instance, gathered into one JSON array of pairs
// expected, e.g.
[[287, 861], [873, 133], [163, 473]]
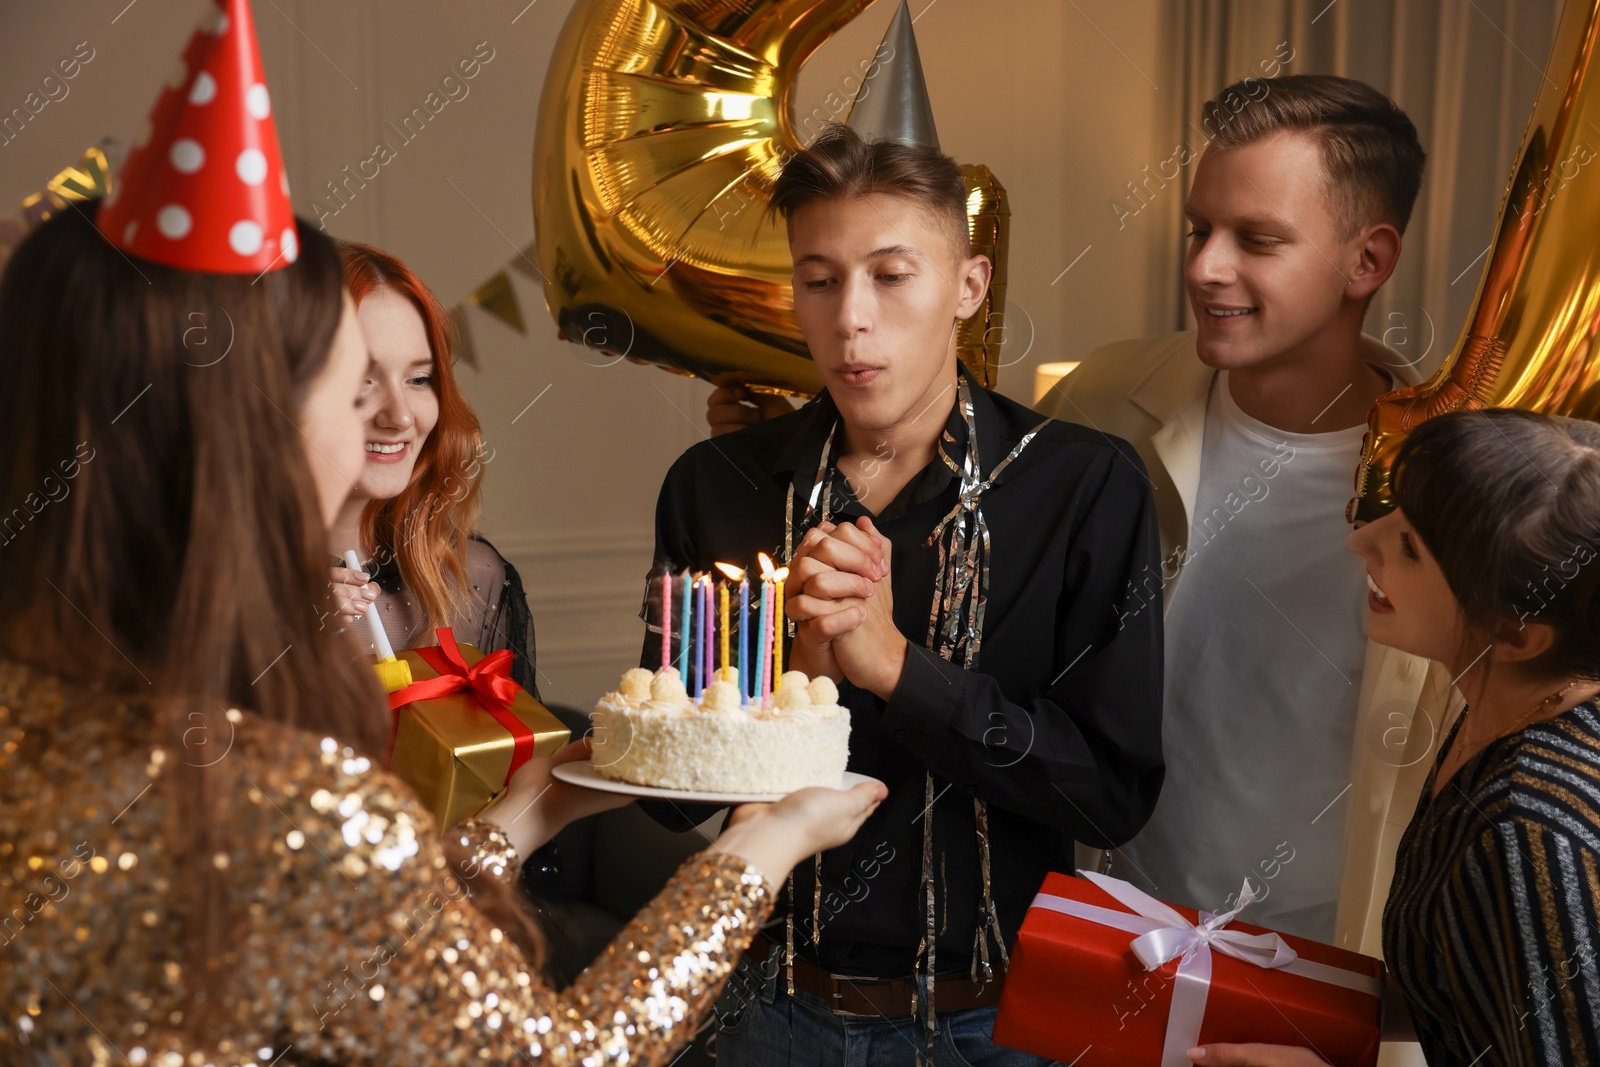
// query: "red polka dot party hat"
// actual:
[[204, 187]]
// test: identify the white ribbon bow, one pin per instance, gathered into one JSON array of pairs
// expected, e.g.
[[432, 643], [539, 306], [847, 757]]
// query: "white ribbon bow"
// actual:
[[1164, 935]]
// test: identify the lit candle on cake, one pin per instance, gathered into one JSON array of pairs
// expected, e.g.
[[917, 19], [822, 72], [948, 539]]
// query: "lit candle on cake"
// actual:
[[666, 618], [782, 625], [724, 605], [706, 675], [768, 682], [735, 574], [744, 630], [685, 631], [759, 689], [769, 636], [699, 636]]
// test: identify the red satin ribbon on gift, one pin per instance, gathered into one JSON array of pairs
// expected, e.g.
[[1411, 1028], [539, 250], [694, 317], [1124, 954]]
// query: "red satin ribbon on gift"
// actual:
[[490, 682]]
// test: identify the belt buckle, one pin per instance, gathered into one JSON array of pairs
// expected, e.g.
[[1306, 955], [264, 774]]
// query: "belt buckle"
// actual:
[[837, 982]]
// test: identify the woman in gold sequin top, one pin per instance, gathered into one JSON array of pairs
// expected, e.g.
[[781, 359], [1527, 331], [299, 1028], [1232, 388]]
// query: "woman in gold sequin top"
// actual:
[[200, 861]]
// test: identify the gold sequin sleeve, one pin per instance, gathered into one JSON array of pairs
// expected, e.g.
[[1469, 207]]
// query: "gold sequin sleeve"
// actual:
[[379, 958], [491, 851]]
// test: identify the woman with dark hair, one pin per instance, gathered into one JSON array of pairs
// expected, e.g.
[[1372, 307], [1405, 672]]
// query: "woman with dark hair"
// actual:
[[205, 861], [415, 505], [1488, 564]]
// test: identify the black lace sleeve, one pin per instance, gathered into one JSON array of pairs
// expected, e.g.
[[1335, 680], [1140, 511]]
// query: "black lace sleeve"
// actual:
[[518, 625], [506, 621]]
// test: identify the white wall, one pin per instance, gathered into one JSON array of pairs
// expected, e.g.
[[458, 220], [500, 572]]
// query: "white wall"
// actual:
[[1060, 100]]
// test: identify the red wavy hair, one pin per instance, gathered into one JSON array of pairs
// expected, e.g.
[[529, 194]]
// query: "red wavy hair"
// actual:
[[425, 529]]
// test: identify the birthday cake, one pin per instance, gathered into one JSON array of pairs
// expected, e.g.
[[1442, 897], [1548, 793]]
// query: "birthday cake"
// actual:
[[650, 732]]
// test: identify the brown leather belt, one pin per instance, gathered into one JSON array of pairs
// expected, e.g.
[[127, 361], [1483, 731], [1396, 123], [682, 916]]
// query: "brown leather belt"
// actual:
[[889, 998]]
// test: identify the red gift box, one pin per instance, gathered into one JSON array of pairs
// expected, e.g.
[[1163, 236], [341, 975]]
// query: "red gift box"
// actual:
[[1088, 986]]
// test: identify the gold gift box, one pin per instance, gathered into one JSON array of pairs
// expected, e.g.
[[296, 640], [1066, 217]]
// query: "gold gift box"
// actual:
[[455, 754]]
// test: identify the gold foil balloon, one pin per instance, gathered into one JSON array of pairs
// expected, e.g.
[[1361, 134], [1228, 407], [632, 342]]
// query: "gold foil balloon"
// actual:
[[1529, 339], [661, 130], [978, 340]]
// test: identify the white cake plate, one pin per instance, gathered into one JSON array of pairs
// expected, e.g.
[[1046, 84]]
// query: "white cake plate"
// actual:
[[583, 773]]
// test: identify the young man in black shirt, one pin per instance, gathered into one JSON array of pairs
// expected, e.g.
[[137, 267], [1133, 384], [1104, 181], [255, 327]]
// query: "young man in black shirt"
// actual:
[[958, 565]]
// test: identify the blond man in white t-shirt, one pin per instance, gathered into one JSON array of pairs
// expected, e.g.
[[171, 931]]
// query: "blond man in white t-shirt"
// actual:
[[1295, 747]]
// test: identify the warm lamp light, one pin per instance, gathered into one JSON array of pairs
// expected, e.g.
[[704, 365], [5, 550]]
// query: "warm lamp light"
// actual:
[[1046, 375]]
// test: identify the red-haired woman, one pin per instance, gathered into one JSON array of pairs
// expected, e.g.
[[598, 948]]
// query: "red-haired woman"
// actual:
[[411, 514]]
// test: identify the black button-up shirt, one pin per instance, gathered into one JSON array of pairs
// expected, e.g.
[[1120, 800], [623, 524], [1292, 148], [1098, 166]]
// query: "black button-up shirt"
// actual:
[[1058, 725]]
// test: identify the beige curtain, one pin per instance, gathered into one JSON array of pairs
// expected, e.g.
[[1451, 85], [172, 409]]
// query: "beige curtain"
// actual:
[[1466, 71]]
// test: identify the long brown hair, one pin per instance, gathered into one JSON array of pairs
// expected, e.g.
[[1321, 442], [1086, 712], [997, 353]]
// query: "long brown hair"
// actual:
[[425, 529], [185, 566]]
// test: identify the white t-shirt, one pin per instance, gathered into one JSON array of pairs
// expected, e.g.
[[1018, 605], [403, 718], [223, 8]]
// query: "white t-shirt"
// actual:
[[1264, 649]]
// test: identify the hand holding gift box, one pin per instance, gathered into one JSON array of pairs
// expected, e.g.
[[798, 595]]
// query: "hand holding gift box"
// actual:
[[1104, 974], [464, 727]]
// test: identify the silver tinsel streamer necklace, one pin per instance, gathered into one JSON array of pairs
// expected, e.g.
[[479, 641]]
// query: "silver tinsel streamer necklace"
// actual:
[[955, 632]]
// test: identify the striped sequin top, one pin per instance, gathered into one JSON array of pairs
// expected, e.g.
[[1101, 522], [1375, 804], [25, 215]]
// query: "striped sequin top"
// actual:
[[1492, 929]]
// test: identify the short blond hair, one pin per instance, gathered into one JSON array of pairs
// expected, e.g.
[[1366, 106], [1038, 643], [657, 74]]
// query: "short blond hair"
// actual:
[[1371, 156]]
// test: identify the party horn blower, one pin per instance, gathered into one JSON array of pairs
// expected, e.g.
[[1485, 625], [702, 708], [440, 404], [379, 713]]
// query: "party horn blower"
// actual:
[[393, 674]]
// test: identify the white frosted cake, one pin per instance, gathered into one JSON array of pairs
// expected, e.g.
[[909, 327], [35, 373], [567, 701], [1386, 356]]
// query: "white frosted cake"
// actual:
[[651, 733]]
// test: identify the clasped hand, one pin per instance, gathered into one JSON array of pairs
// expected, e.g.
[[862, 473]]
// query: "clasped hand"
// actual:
[[843, 607]]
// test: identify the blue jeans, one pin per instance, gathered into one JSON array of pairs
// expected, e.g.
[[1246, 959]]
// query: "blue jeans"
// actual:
[[753, 1030]]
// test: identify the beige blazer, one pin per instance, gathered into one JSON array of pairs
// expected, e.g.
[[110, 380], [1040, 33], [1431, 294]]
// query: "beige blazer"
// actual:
[[1153, 393]]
